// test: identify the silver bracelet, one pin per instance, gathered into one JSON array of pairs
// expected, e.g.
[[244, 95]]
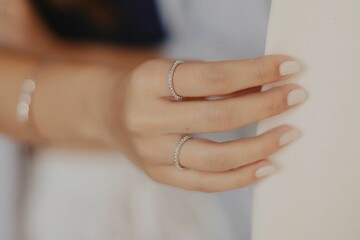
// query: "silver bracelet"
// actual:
[[23, 107], [25, 99]]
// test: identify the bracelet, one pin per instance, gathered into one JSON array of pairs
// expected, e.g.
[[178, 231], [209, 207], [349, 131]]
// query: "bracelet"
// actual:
[[23, 108]]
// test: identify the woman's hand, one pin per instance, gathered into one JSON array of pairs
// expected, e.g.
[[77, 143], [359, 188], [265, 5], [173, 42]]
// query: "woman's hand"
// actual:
[[149, 124]]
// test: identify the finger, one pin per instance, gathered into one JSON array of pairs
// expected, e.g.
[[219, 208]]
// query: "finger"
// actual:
[[212, 182], [207, 156], [229, 114], [231, 95], [199, 79]]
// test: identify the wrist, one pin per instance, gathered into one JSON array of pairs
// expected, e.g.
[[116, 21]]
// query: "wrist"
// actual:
[[72, 103]]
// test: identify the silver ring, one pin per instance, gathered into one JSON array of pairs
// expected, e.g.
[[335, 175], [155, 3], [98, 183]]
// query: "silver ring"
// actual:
[[177, 151], [171, 80]]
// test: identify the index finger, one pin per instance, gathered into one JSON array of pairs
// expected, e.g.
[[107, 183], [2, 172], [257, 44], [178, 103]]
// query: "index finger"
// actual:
[[201, 79]]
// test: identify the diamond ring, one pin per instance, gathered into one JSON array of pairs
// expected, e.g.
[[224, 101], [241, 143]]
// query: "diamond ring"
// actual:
[[177, 151], [171, 80]]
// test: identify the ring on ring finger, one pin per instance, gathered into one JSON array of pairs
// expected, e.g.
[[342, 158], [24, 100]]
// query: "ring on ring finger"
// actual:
[[178, 149], [171, 80]]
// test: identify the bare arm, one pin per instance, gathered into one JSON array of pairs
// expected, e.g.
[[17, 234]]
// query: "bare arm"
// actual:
[[70, 88], [66, 102]]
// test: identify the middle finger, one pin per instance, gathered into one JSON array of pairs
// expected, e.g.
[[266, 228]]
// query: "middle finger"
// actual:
[[232, 113]]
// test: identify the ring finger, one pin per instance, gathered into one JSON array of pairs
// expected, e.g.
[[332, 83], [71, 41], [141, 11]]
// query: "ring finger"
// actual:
[[213, 182], [210, 156]]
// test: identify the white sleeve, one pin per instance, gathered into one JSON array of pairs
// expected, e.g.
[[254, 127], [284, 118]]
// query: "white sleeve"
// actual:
[[315, 195], [10, 166]]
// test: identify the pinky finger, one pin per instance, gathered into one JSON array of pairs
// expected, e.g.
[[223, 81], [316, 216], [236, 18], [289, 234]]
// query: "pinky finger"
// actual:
[[213, 182]]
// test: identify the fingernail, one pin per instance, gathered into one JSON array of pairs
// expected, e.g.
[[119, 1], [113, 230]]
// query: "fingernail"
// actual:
[[289, 68], [289, 136], [297, 96], [265, 171]]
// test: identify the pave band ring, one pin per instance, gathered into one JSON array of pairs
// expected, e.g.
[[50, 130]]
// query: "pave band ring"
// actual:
[[171, 80], [178, 149]]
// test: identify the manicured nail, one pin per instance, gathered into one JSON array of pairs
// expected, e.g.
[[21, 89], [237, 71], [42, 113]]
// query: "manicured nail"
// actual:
[[289, 136], [297, 96], [265, 171], [289, 68]]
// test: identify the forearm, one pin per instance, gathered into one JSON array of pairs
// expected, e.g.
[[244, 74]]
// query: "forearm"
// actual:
[[71, 101]]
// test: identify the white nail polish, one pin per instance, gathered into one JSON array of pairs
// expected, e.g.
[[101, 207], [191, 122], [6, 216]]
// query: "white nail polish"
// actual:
[[265, 171], [289, 136], [297, 96], [289, 68]]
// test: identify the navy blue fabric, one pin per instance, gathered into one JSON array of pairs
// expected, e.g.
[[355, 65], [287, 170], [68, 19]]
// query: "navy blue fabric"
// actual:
[[137, 23]]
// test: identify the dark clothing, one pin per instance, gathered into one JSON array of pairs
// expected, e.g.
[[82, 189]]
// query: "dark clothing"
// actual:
[[137, 22]]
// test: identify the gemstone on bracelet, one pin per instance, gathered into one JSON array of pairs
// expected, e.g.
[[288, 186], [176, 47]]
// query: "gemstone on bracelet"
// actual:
[[29, 86], [22, 111], [25, 97]]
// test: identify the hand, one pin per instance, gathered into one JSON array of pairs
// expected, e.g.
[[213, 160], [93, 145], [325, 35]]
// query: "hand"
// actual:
[[151, 123]]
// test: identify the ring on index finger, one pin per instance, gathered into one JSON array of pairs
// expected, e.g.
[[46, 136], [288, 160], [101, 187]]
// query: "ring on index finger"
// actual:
[[171, 80]]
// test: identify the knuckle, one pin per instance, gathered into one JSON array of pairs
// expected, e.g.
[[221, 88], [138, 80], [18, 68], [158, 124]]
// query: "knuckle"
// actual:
[[219, 118], [267, 145], [217, 161], [275, 106], [267, 71], [261, 148], [264, 151], [216, 79]]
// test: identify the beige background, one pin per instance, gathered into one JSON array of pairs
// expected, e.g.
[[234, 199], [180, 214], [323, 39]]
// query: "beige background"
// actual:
[[316, 194]]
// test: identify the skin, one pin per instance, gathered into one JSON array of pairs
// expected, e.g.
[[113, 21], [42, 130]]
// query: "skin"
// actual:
[[122, 101]]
